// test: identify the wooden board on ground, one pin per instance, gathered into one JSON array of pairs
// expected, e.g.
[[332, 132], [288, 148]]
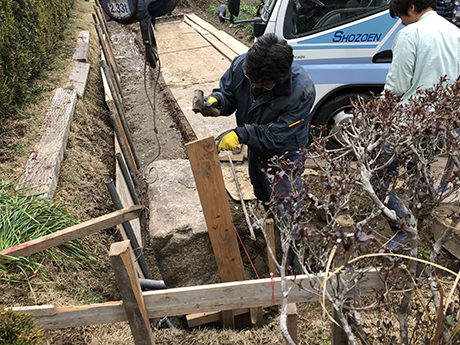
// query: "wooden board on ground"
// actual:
[[79, 77], [125, 197], [82, 47], [74, 232], [190, 300], [441, 223], [43, 166]]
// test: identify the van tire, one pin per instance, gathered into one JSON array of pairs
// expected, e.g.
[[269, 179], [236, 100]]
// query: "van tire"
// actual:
[[336, 107]]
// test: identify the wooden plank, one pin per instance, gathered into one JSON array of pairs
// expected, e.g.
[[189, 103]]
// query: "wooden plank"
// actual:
[[238, 295], [125, 195], [43, 166], [74, 232], [200, 22], [196, 299], [126, 200], [79, 78], [238, 47], [210, 185], [440, 224], [122, 258], [257, 317], [270, 231], [82, 47], [198, 319]]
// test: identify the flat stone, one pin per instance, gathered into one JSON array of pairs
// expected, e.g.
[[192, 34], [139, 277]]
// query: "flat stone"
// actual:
[[178, 231]]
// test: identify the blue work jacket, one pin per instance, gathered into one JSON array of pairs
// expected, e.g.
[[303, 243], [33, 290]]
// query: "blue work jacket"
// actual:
[[275, 123]]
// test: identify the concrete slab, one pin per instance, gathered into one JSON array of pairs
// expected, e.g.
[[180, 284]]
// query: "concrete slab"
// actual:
[[177, 226]]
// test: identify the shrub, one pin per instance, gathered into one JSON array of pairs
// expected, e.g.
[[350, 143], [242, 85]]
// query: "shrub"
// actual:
[[29, 32]]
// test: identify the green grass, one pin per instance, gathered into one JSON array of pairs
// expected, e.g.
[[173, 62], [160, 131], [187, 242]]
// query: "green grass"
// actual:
[[246, 12], [27, 217]]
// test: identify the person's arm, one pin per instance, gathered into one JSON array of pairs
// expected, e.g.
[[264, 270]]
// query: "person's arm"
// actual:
[[400, 75], [225, 93]]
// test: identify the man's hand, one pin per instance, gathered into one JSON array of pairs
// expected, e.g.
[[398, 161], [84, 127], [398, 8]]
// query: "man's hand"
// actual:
[[211, 106], [227, 141]]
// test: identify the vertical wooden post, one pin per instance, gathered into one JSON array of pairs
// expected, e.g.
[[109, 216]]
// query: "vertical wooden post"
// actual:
[[338, 336], [270, 232], [210, 185], [122, 258]]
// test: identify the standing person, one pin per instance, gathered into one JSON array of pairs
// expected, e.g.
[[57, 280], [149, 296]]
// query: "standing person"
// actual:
[[272, 97], [426, 49]]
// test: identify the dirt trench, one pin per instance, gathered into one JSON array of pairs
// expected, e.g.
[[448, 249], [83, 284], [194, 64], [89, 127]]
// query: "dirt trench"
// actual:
[[159, 131]]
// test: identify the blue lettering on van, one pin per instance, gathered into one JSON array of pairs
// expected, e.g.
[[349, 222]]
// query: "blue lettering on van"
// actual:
[[340, 36]]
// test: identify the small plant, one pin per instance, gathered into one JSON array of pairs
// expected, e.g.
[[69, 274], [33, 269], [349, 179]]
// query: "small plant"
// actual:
[[19, 329]]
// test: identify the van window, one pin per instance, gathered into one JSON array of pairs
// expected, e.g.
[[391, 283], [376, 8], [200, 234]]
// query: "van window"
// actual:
[[266, 9], [308, 16]]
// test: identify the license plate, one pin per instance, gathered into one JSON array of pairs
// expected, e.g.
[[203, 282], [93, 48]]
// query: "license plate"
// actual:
[[120, 9]]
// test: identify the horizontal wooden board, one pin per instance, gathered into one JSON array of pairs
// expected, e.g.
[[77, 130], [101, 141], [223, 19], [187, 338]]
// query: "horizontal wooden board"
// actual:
[[189, 300]]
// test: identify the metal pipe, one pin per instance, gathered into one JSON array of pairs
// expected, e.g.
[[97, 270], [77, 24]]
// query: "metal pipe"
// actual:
[[120, 111], [152, 284], [106, 52], [116, 128], [129, 231], [251, 230], [127, 176], [167, 321]]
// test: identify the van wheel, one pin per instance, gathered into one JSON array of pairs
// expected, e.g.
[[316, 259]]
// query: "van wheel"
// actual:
[[336, 110]]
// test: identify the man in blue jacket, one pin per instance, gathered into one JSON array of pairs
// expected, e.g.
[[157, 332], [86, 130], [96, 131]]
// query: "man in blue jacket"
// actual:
[[272, 97]]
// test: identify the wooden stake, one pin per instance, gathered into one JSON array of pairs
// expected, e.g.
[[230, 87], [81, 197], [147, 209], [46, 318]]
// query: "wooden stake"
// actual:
[[292, 321], [122, 258], [209, 181]]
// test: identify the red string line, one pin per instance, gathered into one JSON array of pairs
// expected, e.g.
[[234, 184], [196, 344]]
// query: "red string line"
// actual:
[[246, 252], [272, 283]]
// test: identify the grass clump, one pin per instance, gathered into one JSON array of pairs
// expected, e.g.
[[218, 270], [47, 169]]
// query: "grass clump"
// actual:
[[19, 329], [27, 217]]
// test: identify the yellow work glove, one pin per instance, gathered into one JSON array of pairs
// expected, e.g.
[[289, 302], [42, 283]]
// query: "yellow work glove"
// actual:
[[227, 141], [211, 106], [212, 102]]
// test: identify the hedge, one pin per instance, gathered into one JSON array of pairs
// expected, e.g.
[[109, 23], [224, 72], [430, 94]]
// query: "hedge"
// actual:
[[29, 32]]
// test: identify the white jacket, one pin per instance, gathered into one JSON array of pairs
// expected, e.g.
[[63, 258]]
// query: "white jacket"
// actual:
[[423, 52]]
